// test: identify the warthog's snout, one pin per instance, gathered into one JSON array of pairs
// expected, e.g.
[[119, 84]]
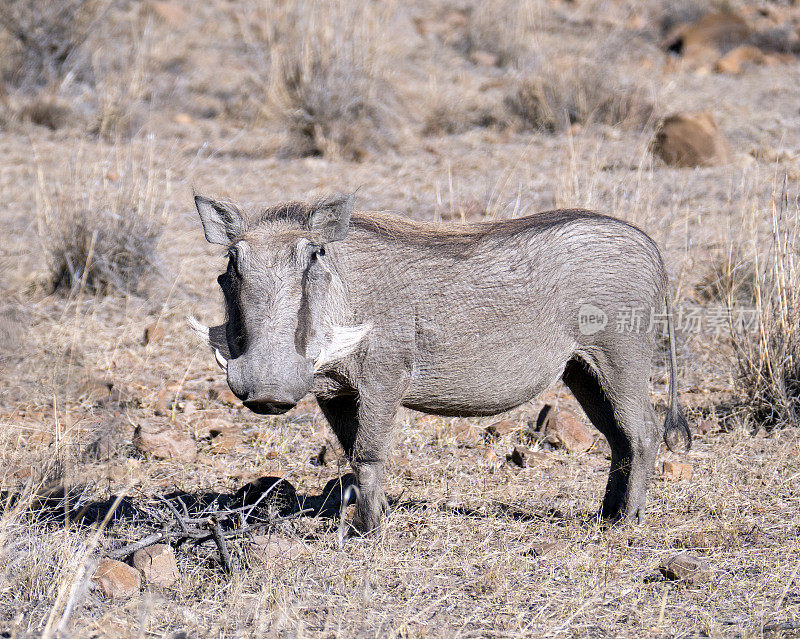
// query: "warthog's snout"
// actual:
[[269, 390]]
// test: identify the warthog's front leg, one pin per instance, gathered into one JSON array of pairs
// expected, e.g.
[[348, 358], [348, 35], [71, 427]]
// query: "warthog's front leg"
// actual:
[[364, 431]]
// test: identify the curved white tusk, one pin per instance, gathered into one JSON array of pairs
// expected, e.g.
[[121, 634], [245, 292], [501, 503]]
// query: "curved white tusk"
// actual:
[[199, 329], [223, 363]]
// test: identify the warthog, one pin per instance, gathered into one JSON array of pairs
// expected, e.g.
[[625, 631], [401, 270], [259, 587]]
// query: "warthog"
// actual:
[[370, 312]]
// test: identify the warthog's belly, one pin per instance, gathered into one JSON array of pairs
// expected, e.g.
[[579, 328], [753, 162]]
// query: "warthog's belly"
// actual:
[[481, 388]]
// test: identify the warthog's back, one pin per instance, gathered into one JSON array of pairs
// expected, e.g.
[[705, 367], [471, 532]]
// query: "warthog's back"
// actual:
[[476, 302]]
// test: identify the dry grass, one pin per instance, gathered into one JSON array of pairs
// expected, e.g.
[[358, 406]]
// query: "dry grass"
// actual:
[[770, 364], [503, 29], [49, 38], [566, 92], [324, 78], [105, 239], [459, 553]]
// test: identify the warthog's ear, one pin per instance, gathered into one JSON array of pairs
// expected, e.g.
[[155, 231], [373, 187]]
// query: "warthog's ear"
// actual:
[[222, 221], [331, 219]]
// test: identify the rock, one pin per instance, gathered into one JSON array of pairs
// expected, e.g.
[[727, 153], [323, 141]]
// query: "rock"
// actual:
[[170, 12], [269, 548], [465, 433], [205, 426], [542, 548], [160, 439], [563, 430], [153, 334], [116, 579], [485, 58], [157, 564], [734, 61], [686, 567], [706, 426], [690, 139], [97, 390], [676, 470], [223, 394], [226, 441], [525, 457], [500, 429], [713, 34]]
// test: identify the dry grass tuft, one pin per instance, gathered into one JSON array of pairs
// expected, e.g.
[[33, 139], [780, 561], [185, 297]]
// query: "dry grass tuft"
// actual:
[[106, 239], [326, 79], [48, 39], [730, 278], [501, 29], [47, 111], [769, 365], [578, 92]]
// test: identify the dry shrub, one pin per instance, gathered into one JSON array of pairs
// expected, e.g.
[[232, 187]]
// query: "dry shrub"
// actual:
[[502, 29], [104, 240], [578, 91], [49, 38], [730, 278], [769, 365], [449, 113], [46, 110], [325, 78]]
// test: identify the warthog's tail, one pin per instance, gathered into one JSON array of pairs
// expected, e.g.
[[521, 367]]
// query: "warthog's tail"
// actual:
[[677, 435]]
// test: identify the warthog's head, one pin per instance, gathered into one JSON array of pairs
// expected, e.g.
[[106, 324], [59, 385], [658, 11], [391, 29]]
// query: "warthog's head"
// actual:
[[283, 299]]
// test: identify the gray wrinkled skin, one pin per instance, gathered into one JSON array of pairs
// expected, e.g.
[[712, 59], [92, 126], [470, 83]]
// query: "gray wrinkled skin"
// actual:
[[370, 312]]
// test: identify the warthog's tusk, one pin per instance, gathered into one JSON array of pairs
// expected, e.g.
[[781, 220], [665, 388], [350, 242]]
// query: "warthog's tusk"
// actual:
[[223, 363], [199, 329]]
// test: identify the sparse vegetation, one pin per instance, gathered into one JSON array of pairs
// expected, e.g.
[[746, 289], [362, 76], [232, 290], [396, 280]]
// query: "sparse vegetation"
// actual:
[[566, 92], [769, 364], [105, 240], [112, 111], [48, 39], [326, 79], [504, 30]]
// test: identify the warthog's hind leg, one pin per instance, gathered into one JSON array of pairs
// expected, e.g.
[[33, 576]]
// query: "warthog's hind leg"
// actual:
[[627, 420]]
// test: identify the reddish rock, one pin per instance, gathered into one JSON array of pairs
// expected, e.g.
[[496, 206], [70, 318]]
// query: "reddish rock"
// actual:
[[501, 428], [116, 579], [170, 12], [542, 548], [162, 440], [226, 441], [690, 139], [223, 394], [154, 333], [268, 549], [525, 457], [686, 567], [735, 60], [157, 564], [564, 430], [713, 34], [676, 470]]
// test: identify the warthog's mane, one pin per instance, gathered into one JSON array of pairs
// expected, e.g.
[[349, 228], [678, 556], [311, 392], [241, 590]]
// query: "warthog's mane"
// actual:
[[412, 231]]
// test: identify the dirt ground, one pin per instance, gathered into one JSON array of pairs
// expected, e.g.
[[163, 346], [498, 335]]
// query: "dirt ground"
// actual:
[[473, 544]]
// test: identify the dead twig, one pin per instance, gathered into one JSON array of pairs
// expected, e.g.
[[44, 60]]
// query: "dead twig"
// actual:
[[219, 539]]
